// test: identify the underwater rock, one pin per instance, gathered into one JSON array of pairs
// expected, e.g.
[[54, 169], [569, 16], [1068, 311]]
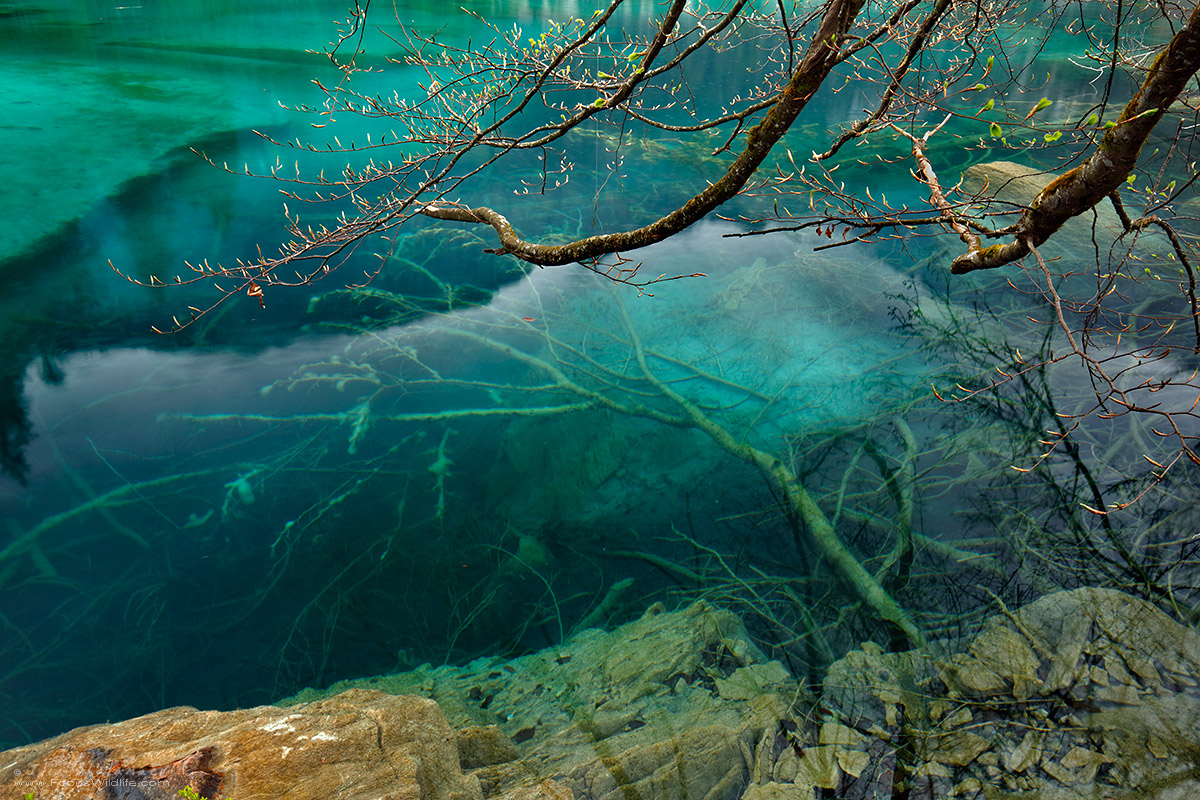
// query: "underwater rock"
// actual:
[[1006, 180], [777, 791], [1081, 693], [873, 691], [956, 749], [485, 747], [1089, 692], [752, 681], [542, 790], [358, 745], [671, 706], [1014, 185], [1000, 660], [707, 762]]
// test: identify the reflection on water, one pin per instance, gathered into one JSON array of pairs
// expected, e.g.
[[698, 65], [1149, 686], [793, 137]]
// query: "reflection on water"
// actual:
[[467, 458]]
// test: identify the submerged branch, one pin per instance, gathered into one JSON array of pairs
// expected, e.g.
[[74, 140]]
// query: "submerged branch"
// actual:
[[798, 501]]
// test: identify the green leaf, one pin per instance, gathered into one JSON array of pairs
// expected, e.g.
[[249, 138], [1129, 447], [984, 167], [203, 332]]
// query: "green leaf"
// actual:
[[995, 131], [599, 102], [1090, 121], [991, 60], [1108, 126], [1045, 102], [988, 106], [603, 75], [979, 87], [1132, 177], [1053, 137]]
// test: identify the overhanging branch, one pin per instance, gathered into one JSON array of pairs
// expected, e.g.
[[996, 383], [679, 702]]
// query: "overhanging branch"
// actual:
[[819, 59], [1107, 168]]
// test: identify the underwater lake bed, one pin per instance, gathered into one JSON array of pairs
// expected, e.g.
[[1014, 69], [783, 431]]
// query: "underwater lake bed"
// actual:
[[817, 514]]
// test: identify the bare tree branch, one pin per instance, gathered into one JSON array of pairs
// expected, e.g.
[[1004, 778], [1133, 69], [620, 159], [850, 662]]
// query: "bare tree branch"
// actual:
[[1107, 168], [819, 59]]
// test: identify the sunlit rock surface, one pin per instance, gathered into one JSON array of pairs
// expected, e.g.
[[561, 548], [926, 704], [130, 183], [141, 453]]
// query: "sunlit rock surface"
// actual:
[[359, 744]]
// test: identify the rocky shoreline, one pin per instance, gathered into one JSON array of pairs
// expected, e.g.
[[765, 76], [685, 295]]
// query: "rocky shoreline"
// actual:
[[1083, 694]]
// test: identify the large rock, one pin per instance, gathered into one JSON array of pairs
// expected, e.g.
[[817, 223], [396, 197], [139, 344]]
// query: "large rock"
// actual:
[[1083, 640], [357, 745], [671, 706], [1079, 694]]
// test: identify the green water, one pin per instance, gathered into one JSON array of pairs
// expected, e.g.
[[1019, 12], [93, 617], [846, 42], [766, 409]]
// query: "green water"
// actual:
[[468, 457]]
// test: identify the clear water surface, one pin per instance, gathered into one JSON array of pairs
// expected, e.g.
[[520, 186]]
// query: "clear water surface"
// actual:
[[345, 484]]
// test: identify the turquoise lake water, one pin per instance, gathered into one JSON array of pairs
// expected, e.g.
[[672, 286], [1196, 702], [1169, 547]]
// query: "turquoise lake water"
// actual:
[[349, 483]]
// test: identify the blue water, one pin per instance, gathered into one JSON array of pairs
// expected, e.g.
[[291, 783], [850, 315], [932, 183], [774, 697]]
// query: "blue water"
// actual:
[[347, 483]]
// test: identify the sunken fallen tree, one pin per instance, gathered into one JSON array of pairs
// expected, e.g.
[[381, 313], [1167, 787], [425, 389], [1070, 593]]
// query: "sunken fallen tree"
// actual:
[[577, 356]]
